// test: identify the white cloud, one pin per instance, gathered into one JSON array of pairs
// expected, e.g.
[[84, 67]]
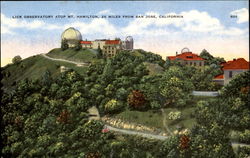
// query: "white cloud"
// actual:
[[242, 15], [193, 21], [5, 30], [8, 24], [101, 27], [105, 12]]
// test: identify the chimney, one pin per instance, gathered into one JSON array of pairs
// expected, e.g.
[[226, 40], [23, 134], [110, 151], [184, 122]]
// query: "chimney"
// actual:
[[234, 59], [176, 53]]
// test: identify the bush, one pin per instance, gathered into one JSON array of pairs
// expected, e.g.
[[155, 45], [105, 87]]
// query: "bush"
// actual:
[[245, 137], [174, 115], [113, 106], [155, 105], [17, 59], [243, 152], [136, 99]]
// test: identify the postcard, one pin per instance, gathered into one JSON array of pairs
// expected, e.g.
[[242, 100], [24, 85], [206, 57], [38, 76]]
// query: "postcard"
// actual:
[[125, 79]]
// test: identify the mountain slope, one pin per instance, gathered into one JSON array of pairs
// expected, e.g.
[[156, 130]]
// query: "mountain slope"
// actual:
[[34, 67]]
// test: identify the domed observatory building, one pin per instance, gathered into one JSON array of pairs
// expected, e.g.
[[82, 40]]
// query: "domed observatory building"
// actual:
[[128, 44], [72, 37], [187, 58]]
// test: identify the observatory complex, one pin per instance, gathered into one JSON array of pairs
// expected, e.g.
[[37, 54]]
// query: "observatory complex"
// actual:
[[72, 37]]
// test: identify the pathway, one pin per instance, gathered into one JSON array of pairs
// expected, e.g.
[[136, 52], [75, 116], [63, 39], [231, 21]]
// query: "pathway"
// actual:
[[130, 132], [64, 60], [206, 93], [164, 122]]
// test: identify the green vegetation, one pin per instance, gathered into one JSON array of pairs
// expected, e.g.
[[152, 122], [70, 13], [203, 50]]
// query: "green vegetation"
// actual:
[[149, 118], [46, 113], [16, 59], [81, 55], [32, 68], [154, 118]]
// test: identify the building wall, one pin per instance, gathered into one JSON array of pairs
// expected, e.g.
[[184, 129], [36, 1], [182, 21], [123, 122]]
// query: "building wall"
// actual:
[[110, 50], [86, 45], [72, 43], [227, 76], [195, 62], [95, 44], [129, 45]]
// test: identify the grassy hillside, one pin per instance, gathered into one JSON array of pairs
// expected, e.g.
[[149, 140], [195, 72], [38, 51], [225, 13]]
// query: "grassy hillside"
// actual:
[[35, 66], [83, 55], [154, 118], [154, 68]]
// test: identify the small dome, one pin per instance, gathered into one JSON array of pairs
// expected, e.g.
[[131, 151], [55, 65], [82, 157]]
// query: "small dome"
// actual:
[[71, 34], [185, 50], [129, 38]]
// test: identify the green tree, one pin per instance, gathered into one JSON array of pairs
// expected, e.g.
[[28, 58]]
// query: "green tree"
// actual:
[[136, 99], [64, 44], [99, 53], [113, 106], [175, 87], [17, 59]]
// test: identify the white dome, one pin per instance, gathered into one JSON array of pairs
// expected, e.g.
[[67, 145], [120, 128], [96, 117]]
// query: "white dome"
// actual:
[[129, 38], [185, 50], [71, 34]]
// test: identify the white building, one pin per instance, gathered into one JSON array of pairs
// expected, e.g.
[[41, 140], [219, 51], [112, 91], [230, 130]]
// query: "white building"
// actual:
[[71, 36], [231, 69]]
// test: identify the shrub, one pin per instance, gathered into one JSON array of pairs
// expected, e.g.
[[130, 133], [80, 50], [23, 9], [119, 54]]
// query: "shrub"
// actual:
[[136, 99], [113, 106], [17, 59], [174, 115]]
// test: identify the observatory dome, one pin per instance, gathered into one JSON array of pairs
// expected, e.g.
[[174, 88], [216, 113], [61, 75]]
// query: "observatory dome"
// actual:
[[185, 50], [71, 34], [129, 38]]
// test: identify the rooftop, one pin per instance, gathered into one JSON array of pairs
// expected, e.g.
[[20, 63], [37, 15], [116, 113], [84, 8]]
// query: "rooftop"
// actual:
[[115, 42], [86, 42], [236, 64], [186, 56], [219, 77]]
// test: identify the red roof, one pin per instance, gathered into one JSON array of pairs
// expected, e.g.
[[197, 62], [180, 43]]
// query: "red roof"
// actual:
[[237, 64], [112, 42], [186, 56], [219, 77], [86, 42]]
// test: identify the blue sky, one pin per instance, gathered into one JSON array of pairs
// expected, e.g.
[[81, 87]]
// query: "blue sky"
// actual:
[[205, 24]]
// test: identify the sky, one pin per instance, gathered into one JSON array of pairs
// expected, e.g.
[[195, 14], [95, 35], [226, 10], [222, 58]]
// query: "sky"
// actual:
[[220, 27]]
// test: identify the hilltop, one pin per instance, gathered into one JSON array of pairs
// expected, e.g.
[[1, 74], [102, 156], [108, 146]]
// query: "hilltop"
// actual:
[[35, 66]]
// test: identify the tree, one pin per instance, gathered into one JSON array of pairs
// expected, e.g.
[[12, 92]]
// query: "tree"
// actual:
[[210, 59], [99, 53], [64, 44], [46, 78], [17, 59], [113, 106], [136, 99], [175, 87], [78, 46]]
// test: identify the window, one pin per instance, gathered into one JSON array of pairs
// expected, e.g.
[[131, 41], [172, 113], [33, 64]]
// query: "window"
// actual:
[[200, 63], [194, 63], [191, 63], [230, 74]]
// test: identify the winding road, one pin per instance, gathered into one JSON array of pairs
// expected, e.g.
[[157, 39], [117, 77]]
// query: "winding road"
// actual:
[[164, 122], [64, 60], [94, 111], [130, 132]]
